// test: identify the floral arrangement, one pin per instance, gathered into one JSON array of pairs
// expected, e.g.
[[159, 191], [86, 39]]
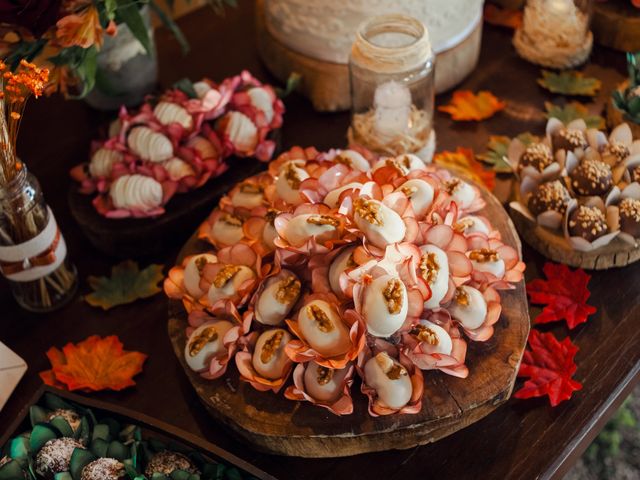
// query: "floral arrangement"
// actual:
[[580, 183], [627, 100], [69, 34], [336, 264], [69, 441], [177, 142]]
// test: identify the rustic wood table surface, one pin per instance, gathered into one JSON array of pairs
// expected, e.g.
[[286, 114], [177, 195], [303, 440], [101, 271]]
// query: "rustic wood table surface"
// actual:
[[522, 439]]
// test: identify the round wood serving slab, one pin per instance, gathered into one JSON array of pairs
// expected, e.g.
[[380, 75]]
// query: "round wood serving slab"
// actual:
[[274, 424]]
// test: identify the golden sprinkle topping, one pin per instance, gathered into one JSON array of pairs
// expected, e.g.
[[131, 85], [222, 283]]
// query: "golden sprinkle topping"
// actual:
[[424, 334], [408, 190], [231, 219], [617, 150], [288, 290], [323, 220], [324, 375], [271, 346], [315, 313], [575, 138], [461, 297], [225, 274], [251, 188], [537, 155], [207, 335], [590, 218], [483, 255], [292, 176], [369, 211], [393, 296], [429, 267], [630, 208]]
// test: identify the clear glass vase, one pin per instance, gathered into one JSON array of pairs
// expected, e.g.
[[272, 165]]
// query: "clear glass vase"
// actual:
[[33, 253]]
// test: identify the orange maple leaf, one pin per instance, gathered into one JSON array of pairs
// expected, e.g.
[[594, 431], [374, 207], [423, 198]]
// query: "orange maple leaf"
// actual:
[[93, 364], [463, 162], [466, 105], [502, 17]]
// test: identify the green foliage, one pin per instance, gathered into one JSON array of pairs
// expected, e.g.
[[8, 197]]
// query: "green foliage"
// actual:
[[573, 111], [569, 83], [292, 83], [628, 101]]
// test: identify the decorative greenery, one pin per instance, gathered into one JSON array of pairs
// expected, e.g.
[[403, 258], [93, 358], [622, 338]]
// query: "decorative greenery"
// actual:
[[569, 83], [573, 111], [497, 149], [628, 101]]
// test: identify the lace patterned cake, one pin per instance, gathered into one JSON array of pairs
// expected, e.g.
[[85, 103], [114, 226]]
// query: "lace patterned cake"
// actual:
[[325, 29]]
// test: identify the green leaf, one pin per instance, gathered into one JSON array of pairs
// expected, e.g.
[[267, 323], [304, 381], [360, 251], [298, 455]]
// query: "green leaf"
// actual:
[[63, 476], [573, 111], [569, 83], [168, 22], [80, 458], [118, 450], [110, 7], [40, 435], [186, 86], [126, 285], [37, 415], [12, 471], [99, 447], [496, 154], [101, 431], [292, 83], [129, 13], [84, 431], [62, 425]]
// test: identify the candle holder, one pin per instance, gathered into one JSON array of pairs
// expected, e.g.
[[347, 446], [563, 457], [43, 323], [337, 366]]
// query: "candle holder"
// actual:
[[392, 87], [555, 33]]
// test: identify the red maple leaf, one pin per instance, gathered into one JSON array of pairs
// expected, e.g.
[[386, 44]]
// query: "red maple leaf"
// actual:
[[549, 365], [564, 293]]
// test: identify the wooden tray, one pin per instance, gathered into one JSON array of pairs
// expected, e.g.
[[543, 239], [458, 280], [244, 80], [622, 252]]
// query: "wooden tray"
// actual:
[[274, 424]]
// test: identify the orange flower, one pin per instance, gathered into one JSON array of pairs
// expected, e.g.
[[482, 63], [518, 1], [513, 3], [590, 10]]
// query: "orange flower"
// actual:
[[80, 29]]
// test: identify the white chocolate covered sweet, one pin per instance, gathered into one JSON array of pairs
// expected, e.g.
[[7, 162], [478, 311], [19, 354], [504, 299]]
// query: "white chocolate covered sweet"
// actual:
[[227, 282], [433, 338], [403, 163], [434, 269], [203, 146], [468, 307], [247, 195], [385, 305], [331, 199], [461, 192], [149, 145], [288, 182], [380, 224], [389, 379], [419, 193], [269, 358], [324, 384], [303, 227], [102, 162], [227, 229], [262, 100], [201, 88], [178, 169], [136, 192], [278, 297], [323, 329], [168, 113], [241, 131], [204, 343], [193, 273], [487, 261], [353, 159], [471, 224], [341, 263]]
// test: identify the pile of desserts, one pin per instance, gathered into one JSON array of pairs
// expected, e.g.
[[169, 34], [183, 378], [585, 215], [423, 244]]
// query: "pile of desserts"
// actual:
[[68, 442], [177, 142], [580, 183], [336, 264]]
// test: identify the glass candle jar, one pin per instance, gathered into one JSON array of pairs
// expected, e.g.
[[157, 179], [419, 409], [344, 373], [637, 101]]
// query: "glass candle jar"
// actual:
[[555, 33], [33, 253], [391, 70]]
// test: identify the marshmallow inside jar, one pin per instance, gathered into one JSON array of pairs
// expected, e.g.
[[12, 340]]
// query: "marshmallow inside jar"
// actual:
[[290, 176], [277, 298], [269, 358], [468, 307], [227, 229], [433, 267], [380, 224], [433, 338], [303, 227], [385, 305], [420, 193], [323, 329], [341, 263], [324, 384], [228, 281], [487, 261], [205, 343], [389, 379], [193, 273]]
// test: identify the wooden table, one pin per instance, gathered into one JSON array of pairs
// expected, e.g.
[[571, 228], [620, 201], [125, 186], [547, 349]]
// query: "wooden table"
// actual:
[[522, 439]]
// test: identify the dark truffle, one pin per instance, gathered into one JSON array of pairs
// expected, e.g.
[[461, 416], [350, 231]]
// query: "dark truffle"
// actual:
[[591, 177], [569, 140], [630, 216], [55, 455], [613, 153], [536, 155], [104, 469], [588, 223], [549, 196], [166, 462], [72, 418]]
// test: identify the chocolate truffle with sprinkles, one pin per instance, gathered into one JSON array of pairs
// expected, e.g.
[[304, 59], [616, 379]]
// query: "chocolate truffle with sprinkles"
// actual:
[[630, 216], [55, 455], [536, 155], [72, 418], [569, 140], [635, 174], [166, 462], [587, 222], [104, 469], [549, 196], [591, 177], [613, 153]]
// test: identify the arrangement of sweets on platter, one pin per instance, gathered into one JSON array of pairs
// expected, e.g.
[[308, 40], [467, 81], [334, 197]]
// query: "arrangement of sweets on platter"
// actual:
[[67, 441], [579, 194], [174, 144], [336, 265]]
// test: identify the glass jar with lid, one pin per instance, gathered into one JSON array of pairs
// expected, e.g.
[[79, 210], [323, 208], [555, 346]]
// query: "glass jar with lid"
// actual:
[[391, 71]]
